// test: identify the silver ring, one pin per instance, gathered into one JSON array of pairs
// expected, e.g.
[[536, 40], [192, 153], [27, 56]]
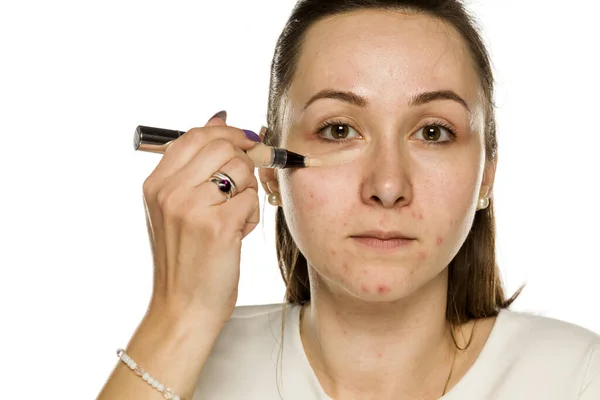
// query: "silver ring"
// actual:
[[224, 183]]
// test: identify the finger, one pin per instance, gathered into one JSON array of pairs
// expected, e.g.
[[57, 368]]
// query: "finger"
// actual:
[[236, 169], [243, 179], [240, 179], [241, 209], [252, 222], [219, 119], [182, 150], [215, 157]]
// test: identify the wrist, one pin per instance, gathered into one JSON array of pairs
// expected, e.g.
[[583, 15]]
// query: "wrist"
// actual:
[[183, 329]]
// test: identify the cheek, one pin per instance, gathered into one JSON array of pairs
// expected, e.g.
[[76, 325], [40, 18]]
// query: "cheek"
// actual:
[[317, 203], [449, 198], [319, 192]]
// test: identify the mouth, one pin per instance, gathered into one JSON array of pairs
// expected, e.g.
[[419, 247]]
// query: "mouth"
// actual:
[[383, 240]]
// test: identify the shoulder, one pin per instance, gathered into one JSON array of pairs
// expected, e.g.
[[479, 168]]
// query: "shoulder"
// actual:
[[552, 345], [542, 331]]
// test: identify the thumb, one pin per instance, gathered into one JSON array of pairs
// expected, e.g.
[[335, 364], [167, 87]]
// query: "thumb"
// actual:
[[219, 119]]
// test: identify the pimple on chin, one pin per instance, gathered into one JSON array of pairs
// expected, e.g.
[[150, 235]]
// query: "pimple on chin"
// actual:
[[439, 240], [383, 289], [364, 288]]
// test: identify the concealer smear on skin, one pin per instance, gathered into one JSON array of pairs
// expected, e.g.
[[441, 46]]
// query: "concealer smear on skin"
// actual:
[[332, 159], [261, 155]]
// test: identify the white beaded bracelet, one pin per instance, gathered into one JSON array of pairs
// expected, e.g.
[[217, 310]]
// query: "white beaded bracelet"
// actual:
[[167, 393]]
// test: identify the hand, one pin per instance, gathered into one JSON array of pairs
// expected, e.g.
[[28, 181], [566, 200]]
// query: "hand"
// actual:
[[195, 234]]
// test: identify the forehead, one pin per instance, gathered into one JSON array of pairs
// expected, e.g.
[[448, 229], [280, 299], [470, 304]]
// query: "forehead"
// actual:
[[387, 56]]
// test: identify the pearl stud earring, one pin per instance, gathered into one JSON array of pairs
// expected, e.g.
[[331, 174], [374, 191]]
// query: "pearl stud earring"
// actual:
[[483, 203], [274, 199]]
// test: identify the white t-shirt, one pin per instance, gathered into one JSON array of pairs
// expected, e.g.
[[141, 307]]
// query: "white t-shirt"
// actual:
[[525, 357]]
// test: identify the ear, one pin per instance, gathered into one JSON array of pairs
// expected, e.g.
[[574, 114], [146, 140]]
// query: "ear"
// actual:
[[489, 175], [268, 180]]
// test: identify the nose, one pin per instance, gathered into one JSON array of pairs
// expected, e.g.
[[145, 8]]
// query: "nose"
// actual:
[[386, 180]]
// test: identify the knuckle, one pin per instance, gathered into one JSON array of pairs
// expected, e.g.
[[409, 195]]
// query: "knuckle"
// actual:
[[166, 199], [148, 186], [238, 164], [193, 137], [253, 183], [252, 196], [224, 147]]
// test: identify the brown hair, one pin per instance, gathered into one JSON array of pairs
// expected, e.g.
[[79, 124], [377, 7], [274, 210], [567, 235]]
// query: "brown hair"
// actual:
[[475, 289]]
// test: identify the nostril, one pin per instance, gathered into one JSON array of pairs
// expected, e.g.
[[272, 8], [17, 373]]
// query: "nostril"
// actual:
[[392, 202]]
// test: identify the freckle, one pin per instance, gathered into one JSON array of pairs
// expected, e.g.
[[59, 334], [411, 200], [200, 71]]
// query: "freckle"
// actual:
[[379, 355], [345, 223], [439, 240], [382, 289], [312, 195], [333, 252], [364, 288], [421, 216], [345, 267]]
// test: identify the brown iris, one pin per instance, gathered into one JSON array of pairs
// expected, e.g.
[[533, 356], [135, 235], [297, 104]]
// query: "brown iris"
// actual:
[[340, 131], [432, 133]]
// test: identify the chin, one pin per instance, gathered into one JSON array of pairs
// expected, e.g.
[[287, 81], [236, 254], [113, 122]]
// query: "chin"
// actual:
[[381, 283]]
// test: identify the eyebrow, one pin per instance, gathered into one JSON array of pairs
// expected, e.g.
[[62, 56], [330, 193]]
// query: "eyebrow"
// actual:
[[417, 100]]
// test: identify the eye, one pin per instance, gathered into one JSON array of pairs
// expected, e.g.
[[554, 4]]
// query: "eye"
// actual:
[[432, 133], [337, 132]]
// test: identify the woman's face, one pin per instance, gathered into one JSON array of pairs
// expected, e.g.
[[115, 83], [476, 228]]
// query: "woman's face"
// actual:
[[404, 79]]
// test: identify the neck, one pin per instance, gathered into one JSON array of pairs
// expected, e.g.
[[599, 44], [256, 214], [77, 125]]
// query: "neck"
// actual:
[[392, 349]]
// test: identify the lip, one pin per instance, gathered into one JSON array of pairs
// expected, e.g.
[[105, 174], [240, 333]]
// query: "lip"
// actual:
[[383, 240], [383, 235], [380, 244]]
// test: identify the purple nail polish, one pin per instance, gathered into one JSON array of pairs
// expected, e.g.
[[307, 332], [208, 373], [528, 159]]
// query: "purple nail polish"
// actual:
[[251, 135]]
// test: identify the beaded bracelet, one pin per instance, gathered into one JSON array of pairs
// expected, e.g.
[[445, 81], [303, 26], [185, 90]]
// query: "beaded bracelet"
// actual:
[[167, 393]]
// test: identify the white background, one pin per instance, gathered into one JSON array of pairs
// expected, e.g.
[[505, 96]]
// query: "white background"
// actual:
[[76, 78]]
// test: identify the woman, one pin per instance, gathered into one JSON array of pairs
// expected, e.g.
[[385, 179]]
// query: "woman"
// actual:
[[392, 286]]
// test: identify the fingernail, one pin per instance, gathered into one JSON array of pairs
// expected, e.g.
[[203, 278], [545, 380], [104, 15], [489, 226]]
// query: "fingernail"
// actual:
[[251, 135], [220, 114]]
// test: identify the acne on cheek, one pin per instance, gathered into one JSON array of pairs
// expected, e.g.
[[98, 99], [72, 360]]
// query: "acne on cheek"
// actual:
[[418, 216]]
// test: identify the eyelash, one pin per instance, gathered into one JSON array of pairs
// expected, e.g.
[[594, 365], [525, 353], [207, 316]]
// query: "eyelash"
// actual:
[[439, 123]]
